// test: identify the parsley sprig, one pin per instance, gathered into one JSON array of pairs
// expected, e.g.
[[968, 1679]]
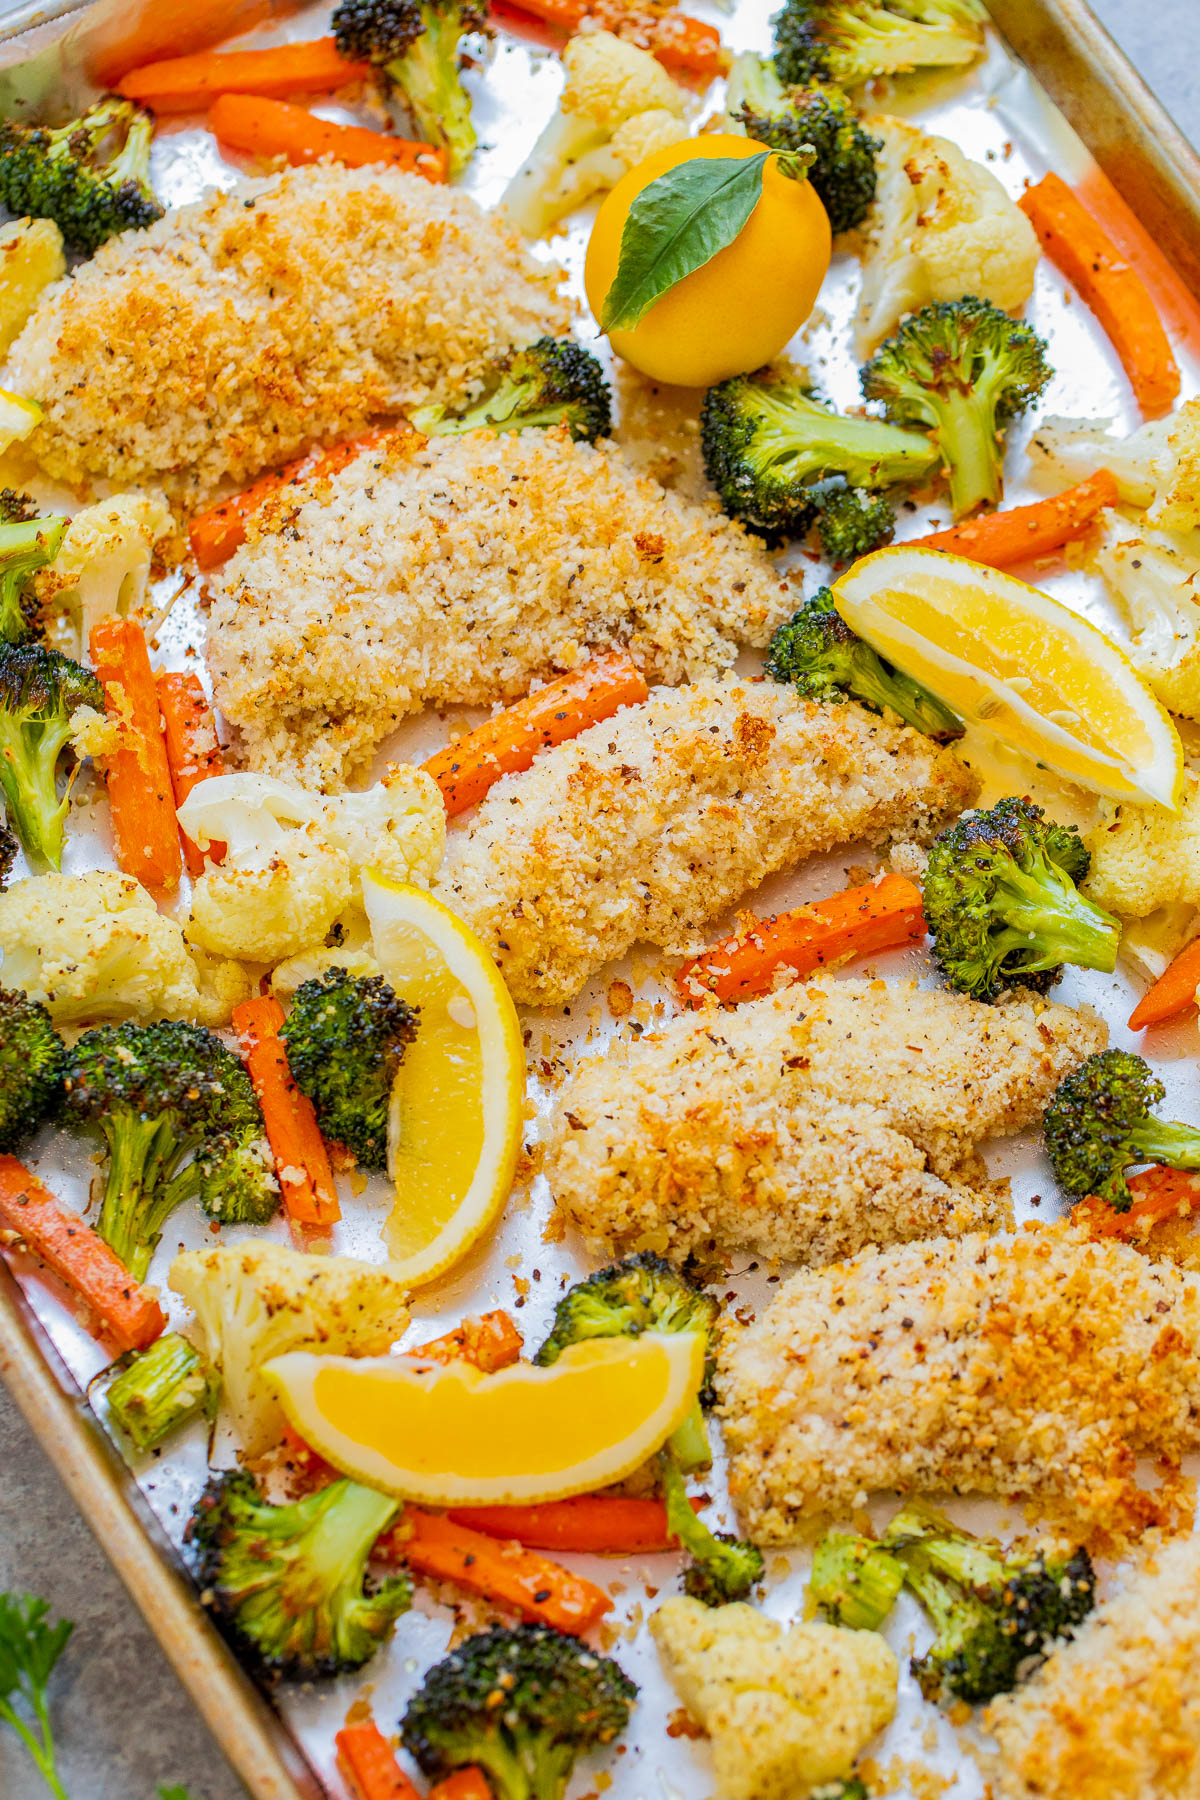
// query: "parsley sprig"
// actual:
[[29, 1648]]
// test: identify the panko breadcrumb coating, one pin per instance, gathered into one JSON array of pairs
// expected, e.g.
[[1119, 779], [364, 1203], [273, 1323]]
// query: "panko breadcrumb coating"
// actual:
[[649, 825], [807, 1124], [457, 570], [252, 323], [1040, 1364], [1115, 1714]]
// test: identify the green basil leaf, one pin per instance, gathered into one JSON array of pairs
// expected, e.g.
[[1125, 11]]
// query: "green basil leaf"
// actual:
[[678, 223]]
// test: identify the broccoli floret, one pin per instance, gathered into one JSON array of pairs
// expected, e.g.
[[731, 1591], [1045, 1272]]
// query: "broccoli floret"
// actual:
[[287, 1584], [25, 547], [522, 1705], [39, 692], [159, 1389], [1099, 1122], [643, 1293], [852, 41], [825, 660], [843, 175], [414, 45], [32, 1060], [92, 177], [723, 1568], [1003, 907], [552, 382], [178, 1116], [346, 1036], [991, 1610], [855, 1581], [850, 521], [767, 441], [964, 369]]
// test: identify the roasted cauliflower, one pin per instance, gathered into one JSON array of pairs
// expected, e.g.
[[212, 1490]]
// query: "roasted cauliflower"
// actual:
[[1144, 857], [1156, 467], [105, 563], [1154, 580]]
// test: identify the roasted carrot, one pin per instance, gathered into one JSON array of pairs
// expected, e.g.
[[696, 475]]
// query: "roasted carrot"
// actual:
[[273, 128], [144, 31], [184, 84], [1078, 244], [465, 1784], [467, 768], [193, 753], [491, 1342], [678, 41], [70, 1249], [506, 1573], [301, 1159], [594, 1524], [215, 535], [880, 915], [145, 829], [1158, 1194], [1172, 993], [1003, 538], [367, 1764]]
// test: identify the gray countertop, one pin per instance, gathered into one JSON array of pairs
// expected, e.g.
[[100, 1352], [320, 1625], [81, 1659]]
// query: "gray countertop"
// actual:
[[124, 1724]]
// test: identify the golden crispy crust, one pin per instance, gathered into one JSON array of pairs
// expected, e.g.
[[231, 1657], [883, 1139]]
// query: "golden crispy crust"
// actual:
[[1041, 1364], [807, 1124]]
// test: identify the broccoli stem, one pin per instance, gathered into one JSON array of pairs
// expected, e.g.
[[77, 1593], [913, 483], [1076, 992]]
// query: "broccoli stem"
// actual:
[[140, 1193], [864, 49], [1049, 922], [855, 1580], [160, 1390], [338, 1546], [689, 1443], [970, 445], [800, 438], [427, 75], [29, 753], [26, 545], [880, 686], [1164, 1141]]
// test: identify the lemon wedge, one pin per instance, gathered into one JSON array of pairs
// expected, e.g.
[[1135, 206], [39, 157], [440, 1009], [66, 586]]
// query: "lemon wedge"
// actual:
[[1010, 659], [454, 1130], [18, 417], [449, 1435]]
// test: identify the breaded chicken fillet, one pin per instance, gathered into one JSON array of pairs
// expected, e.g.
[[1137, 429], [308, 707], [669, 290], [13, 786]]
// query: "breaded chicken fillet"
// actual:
[[807, 1124], [457, 570], [252, 323], [1115, 1714], [649, 825], [1039, 1364]]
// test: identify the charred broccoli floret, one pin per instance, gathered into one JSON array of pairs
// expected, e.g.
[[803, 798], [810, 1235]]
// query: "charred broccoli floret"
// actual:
[[346, 1036], [843, 175], [991, 1609], [824, 659], [39, 692], [287, 1584], [159, 1389], [643, 1293], [768, 442], [8, 855], [855, 1581], [723, 1568], [414, 45], [26, 545], [963, 369], [179, 1120], [852, 41], [1099, 1123], [92, 177], [851, 522], [1003, 907], [552, 382], [32, 1060], [522, 1705]]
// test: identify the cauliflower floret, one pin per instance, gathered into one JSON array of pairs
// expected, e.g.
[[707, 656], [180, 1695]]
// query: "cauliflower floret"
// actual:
[[617, 106], [942, 227], [350, 947], [257, 1300], [1155, 580], [95, 946], [265, 908], [223, 983], [1144, 857], [398, 826], [1157, 466], [105, 562], [788, 1708]]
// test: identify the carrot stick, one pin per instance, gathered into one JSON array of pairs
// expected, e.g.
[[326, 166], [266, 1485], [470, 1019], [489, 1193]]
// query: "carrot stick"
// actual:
[[1172, 993], [465, 1784], [1159, 1194], [301, 1159], [467, 768], [215, 535], [367, 1764], [1003, 538], [676, 39], [145, 31], [70, 1249], [193, 753], [491, 1342], [183, 84], [136, 773], [505, 1573], [593, 1524], [273, 128], [880, 915], [1078, 244]]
